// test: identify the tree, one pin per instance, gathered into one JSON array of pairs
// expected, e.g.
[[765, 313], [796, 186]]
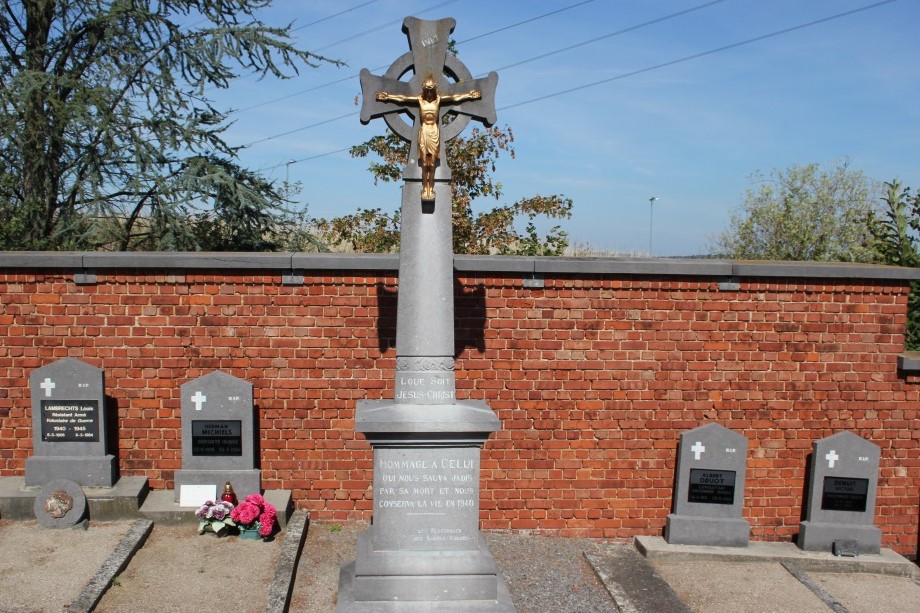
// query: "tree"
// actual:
[[895, 231], [472, 162], [895, 234], [805, 213], [109, 140]]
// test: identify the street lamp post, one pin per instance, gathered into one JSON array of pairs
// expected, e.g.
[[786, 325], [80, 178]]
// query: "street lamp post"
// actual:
[[651, 211]]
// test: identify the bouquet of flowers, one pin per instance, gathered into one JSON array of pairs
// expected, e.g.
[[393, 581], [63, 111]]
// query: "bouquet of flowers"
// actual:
[[217, 515], [255, 512]]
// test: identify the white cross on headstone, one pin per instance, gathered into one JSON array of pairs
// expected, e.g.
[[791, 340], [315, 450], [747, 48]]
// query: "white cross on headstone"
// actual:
[[697, 450], [831, 457], [199, 399], [47, 385]]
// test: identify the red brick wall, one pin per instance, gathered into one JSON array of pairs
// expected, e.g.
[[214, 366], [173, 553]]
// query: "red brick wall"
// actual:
[[594, 378]]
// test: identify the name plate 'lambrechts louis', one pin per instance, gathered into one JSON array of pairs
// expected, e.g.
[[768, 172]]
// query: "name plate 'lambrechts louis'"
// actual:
[[424, 548]]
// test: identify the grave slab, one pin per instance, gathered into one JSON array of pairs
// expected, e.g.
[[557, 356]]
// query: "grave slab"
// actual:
[[161, 507], [69, 426], [709, 490], [841, 495], [218, 435]]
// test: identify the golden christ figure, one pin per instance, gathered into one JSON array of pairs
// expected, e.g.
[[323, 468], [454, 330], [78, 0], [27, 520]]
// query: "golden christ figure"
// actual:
[[429, 133]]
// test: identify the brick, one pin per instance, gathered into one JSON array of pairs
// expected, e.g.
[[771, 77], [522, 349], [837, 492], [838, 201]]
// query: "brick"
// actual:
[[594, 379]]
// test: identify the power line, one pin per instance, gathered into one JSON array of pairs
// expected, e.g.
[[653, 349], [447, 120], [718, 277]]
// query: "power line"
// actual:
[[520, 23], [699, 55], [328, 17], [301, 129], [641, 25], [621, 76], [380, 27], [306, 159], [384, 67]]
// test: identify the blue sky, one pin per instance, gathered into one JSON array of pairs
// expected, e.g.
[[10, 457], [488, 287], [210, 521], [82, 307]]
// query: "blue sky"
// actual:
[[690, 132]]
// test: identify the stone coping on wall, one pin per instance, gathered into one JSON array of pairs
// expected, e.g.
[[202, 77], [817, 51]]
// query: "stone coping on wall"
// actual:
[[524, 265], [909, 363]]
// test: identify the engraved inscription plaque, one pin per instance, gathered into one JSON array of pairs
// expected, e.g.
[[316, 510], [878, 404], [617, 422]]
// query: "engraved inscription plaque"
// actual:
[[435, 492], [70, 420], [711, 486], [844, 494], [217, 437]]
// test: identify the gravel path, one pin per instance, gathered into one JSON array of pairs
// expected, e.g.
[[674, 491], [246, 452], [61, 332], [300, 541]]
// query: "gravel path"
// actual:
[[543, 573], [43, 570], [550, 574]]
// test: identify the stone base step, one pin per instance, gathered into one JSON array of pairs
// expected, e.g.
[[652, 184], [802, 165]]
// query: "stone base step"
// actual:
[[129, 498], [161, 507], [121, 501]]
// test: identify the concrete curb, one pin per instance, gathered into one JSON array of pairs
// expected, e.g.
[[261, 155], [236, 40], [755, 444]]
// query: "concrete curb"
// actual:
[[279, 594], [825, 596], [620, 598], [93, 591], [886, 562], [632, 582]]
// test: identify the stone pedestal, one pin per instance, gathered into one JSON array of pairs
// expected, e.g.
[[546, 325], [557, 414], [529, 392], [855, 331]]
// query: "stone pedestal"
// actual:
[[424, 549]]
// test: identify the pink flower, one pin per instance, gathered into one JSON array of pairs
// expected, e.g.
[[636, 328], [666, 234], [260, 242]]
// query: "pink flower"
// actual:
[[255, 508], [245, 514], [267, 520], [256, 499]]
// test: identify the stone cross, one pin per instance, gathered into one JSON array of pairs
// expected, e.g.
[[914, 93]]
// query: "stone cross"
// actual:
[[697, 450], [48, 385], [199, 399], [428, 56], [425, 308], [831, 458]]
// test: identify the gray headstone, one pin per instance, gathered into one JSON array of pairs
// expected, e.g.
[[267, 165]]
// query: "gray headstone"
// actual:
[[60, 504], [69, 426], [709, 492], [841, 495], [218, 435]]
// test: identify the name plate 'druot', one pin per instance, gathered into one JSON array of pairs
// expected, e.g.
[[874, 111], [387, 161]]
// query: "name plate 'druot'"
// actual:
[[844, 494], [426, 498], [70, 420], [217, 437], [711, 486]]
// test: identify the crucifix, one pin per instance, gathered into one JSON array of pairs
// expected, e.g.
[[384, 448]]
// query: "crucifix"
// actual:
[[436, 85], [439, 84], [429, 133]]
